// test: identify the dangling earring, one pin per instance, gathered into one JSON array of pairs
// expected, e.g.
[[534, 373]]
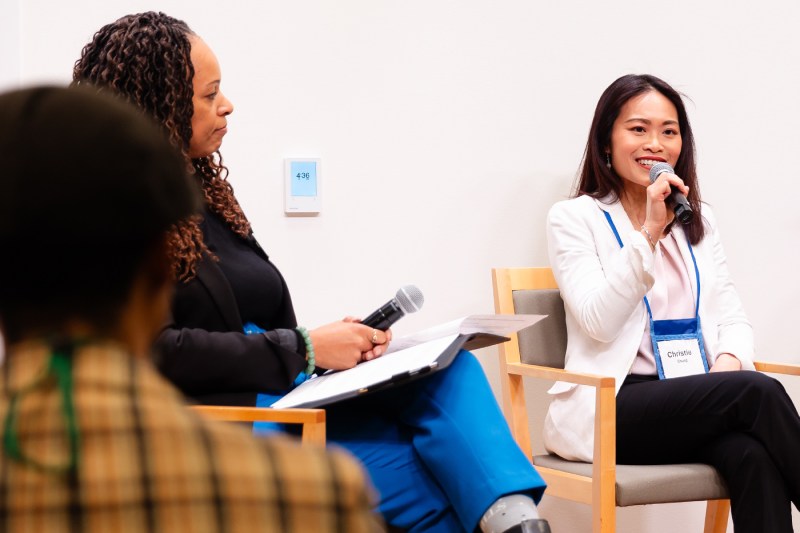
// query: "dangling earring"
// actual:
[[608, 160]]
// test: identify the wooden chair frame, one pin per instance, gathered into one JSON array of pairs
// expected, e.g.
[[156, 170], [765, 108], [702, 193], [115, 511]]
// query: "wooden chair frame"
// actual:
[[312, 420], [599, 489]]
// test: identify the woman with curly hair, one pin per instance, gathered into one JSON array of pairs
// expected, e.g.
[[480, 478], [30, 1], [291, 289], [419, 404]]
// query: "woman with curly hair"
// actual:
[[438, 450]]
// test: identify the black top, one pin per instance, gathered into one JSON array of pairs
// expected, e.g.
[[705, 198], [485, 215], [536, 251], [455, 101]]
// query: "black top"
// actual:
[[255, 282], [203, 349]]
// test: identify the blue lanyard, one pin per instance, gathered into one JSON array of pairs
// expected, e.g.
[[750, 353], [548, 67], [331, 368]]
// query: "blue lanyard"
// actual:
[[691, 251]]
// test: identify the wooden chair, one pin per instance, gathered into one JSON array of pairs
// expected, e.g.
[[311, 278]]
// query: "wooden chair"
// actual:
[[539, 352], [312, 420]]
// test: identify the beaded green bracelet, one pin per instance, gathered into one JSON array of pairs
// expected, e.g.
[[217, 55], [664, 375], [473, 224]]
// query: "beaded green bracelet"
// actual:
[[309, 350]]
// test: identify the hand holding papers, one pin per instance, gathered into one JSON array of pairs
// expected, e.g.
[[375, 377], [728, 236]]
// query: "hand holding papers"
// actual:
[[407, 358]]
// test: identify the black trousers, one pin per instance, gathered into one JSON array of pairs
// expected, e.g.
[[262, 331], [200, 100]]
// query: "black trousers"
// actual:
[[742, 423]]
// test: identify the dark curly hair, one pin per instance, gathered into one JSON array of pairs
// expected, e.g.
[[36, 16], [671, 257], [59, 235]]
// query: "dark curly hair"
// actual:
[[146, 58], [598, 181]]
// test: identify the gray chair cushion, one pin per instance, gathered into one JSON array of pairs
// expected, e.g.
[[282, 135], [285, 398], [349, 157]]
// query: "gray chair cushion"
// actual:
[[640, 485], [545, 344]]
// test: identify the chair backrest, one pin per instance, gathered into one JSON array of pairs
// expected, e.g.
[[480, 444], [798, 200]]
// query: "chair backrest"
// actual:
[[546, 344], [533, 291]]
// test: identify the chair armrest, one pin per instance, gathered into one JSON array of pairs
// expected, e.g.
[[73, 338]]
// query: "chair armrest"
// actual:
[[777, 368], [558, 374], [605, 430], [312, 420], [605, 426]]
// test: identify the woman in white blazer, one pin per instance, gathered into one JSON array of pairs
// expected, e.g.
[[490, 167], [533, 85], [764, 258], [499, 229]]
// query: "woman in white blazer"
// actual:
[[619, 256]]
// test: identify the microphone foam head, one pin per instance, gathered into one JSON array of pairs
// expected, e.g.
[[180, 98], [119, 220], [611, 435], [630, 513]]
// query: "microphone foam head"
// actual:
[[410, 298], [659, 168]]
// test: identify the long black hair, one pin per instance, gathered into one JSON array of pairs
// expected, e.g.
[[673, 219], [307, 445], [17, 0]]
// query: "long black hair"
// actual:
[[595, 179]]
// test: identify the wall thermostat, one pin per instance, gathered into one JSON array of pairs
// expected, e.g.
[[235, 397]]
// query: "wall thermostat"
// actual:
[[302, 186]]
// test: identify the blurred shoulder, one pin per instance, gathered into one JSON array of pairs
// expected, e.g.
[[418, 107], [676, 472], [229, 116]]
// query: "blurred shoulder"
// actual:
[[313, 484]]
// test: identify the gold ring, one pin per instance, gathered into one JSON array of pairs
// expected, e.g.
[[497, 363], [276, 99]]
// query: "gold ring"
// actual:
[[374, 336]]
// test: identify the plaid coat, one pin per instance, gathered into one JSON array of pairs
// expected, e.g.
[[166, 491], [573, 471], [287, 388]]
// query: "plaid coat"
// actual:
[[146, 463]]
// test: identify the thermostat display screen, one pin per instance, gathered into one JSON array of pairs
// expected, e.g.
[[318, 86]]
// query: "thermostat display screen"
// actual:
[[304, 178]]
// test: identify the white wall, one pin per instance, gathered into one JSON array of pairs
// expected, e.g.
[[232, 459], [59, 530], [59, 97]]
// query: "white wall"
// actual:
[[447, 129], [9, 44]]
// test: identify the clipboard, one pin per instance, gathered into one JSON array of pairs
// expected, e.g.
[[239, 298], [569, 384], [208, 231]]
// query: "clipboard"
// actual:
[[417, 357]]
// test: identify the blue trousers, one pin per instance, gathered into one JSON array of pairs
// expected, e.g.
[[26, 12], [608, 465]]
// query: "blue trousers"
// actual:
[[438, 449]]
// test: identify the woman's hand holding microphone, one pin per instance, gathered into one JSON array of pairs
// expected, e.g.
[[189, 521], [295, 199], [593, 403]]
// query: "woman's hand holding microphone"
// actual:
[[344, 344], [658, 214]]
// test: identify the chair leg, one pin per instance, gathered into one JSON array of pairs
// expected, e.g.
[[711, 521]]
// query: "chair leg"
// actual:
[[314, 434], [717, 516], [604, 514]]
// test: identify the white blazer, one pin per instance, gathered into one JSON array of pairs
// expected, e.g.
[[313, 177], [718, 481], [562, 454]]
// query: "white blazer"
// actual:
[[603, 288]]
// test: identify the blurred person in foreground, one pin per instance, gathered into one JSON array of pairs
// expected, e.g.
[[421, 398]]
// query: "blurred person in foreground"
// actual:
[[93, 438]]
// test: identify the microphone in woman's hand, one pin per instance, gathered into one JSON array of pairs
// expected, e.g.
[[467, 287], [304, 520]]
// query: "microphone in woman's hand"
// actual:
[[408, 299], [680, 205]]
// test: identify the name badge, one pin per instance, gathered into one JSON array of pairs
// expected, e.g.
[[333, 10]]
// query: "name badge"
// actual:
[[681, 357], [678, 347]]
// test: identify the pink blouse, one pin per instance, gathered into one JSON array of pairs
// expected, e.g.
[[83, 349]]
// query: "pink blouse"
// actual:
[[670, 297]]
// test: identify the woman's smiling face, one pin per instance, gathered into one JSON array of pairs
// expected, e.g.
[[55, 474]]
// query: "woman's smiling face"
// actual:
[[646, 132]]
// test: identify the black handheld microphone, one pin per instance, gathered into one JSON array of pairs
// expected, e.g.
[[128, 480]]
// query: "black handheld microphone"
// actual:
[[680, 205], [408, 299]]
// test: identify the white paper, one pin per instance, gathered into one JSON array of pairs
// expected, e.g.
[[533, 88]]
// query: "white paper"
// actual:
[[406, 355], [501, 325], [368, 373]]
